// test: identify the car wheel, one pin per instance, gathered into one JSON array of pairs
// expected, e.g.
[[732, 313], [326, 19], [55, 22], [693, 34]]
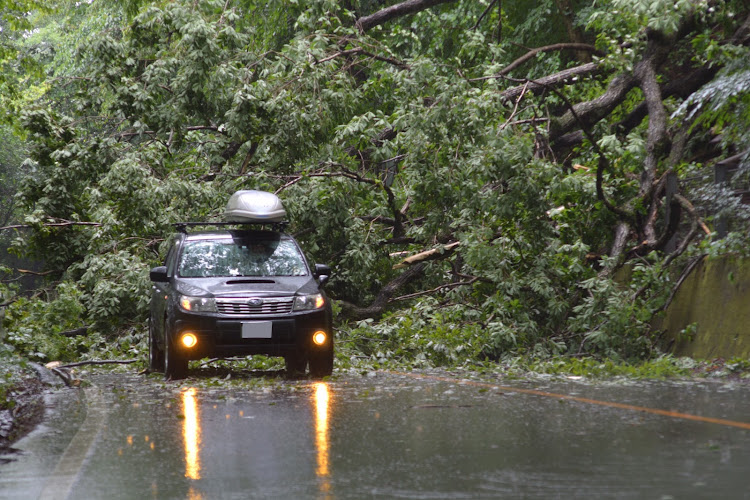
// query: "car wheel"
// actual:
[[321, 363], [295, 364], [175, 365], [155, 355]]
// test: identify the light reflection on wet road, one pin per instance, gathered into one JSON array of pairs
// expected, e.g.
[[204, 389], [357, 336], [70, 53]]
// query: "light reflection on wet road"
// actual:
[[191, 431], [386, 436], [322, 400]]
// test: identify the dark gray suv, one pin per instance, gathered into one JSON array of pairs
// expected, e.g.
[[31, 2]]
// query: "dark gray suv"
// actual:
[[238, 292]]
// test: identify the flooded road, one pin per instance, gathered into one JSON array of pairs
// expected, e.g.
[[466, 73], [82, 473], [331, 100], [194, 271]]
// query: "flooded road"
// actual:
[[386, 435]]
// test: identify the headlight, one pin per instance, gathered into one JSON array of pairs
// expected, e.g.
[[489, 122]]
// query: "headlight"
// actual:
[[308, 302], [197, 304]]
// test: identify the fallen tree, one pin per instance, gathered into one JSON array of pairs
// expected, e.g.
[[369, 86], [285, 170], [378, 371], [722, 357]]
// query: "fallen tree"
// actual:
[[556, 141]]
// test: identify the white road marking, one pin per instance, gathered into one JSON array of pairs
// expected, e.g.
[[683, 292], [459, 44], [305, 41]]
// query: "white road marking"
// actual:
[[60, 484]]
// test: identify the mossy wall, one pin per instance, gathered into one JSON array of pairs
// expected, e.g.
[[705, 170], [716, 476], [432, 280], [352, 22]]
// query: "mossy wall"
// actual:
[[715, 298]]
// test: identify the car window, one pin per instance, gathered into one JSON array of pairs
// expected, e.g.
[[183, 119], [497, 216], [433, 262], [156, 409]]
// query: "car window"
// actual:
[[237, 257], [169, 261]]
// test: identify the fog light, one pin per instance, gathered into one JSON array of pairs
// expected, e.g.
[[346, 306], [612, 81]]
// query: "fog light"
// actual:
[[189, 340], [319, 337]]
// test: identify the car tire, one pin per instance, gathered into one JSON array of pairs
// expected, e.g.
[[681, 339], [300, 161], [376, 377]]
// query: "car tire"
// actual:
[[295, 364], [175, 365], [155, 354], [321, 363]]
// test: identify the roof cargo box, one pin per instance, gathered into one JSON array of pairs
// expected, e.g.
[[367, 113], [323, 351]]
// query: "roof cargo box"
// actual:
[[254, 207]]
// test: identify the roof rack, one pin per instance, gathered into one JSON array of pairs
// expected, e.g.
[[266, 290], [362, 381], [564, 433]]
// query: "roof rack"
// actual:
[[182, 227]]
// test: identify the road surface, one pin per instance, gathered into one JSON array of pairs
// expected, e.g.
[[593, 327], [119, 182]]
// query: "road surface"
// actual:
[[385, 435]]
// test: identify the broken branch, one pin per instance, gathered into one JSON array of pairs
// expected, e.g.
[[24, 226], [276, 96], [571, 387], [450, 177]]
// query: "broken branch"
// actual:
[[101, 362], [435, 253]]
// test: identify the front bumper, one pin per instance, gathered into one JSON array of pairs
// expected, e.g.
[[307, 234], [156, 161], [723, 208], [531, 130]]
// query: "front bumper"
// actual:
[[221, 335]]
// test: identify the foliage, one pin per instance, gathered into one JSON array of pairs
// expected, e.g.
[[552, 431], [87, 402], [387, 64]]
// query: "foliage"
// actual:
[[11, 157], [52, 330], [34, 326], [615, 315], [421, 337], [657, 368], [383, 142]]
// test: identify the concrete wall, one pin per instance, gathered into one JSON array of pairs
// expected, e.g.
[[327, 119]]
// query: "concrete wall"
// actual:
[[716, 298]]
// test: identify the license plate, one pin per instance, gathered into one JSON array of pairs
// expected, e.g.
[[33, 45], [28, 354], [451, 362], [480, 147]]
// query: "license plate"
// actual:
[[257, 330]]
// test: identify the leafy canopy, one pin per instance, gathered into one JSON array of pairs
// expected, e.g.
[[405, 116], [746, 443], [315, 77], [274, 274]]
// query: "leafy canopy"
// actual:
[[411, 135]]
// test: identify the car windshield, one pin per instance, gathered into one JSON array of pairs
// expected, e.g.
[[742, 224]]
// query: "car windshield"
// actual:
[[238, 257]]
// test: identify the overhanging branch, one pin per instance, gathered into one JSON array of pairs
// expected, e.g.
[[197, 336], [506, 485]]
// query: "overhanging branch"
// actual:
[[61, 223], [568, 76], [365, 23], [548, 48]]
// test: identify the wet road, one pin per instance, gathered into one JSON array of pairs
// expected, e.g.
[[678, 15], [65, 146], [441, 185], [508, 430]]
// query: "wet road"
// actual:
[[386, 435]]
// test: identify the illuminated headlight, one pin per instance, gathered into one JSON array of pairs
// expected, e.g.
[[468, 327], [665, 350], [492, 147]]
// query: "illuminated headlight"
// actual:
[[197, 304], [308, 302]]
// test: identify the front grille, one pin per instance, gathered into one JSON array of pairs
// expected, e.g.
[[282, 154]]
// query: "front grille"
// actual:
[[244, 306]]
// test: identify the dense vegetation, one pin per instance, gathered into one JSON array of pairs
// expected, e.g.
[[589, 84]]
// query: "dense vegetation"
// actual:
[[476, 172]]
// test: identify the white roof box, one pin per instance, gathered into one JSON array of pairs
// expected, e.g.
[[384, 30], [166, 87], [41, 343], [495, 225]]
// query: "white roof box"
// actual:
[[254, 207]]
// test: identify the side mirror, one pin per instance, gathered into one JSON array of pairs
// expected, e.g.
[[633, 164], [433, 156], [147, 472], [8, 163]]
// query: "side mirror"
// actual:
[[322, 272], [159, 274]]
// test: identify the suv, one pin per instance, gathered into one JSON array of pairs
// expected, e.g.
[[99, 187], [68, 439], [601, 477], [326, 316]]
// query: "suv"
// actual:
[[240, 291]]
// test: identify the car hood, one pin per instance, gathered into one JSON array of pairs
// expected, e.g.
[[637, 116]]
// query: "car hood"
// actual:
[[244, 286]]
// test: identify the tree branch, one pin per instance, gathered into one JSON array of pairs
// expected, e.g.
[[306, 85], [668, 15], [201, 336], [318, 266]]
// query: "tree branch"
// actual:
[[365, 23], [102, 362], [561, 134], [377, 308], [446, 286], [62, 223], [657, 127], [618, 247], [548, 48], [681, 88], [689, 208], [486, 11], [76, 332], [435, 253], [587, 113], [559, 79]]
